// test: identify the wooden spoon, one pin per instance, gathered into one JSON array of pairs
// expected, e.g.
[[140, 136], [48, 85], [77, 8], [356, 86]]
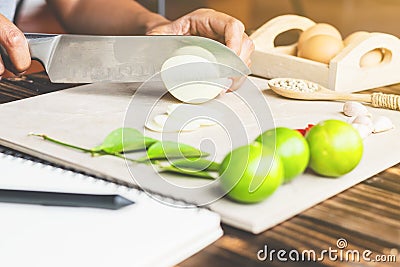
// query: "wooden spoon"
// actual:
[[380, 100]]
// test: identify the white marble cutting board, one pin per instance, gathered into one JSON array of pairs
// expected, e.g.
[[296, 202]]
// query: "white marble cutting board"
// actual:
[[85, 115]]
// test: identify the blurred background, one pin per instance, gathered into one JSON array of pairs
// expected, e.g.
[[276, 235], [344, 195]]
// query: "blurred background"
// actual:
[[347, 15]]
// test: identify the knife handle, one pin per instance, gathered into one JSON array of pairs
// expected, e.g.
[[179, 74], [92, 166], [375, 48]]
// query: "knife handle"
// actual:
[[40, 47]]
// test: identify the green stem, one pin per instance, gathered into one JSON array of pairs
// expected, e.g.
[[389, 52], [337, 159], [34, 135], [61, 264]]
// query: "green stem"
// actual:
[[123, 157], [45, 137], [91, 151]]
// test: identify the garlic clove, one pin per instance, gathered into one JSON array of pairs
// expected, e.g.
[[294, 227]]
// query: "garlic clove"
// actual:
[[382, 124], [352, 109], [364, 120], [363, 130], [350, 120]]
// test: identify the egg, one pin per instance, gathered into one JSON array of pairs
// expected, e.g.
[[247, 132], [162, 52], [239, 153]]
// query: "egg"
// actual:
[[318, 29], [371, 58], [354, 37], [321, 48]]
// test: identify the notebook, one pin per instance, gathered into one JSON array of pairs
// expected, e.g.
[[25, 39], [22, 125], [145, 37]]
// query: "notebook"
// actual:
[[146, 233], [84, 115]]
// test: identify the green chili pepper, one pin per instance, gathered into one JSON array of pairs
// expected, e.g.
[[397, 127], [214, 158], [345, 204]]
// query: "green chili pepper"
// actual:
[[198, 164], [170, 149], [124, 139], [187, 172]]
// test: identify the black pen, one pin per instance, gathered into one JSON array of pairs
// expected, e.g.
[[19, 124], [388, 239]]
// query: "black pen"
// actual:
[[113, 202]]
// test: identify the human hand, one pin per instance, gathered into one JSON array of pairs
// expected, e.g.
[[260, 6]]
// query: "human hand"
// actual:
[[14, 42], [215, 25]]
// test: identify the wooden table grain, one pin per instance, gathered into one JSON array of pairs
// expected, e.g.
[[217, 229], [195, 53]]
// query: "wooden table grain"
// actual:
[[365, 217]]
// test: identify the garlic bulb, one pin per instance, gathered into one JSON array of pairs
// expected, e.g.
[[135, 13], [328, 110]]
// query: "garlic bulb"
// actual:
[[382, 124], [352, 109]]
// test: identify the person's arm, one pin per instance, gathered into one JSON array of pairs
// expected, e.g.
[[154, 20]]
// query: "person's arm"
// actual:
[[105, 17], [14, 42], [125, 17]]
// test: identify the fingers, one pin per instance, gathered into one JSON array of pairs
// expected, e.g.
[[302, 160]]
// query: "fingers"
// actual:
[[239, 41], [218, 26], [14, 42], [211, 24], [247, 48], [2, 68], [236, 83], [167, 28], [233, 35], [215, 25]]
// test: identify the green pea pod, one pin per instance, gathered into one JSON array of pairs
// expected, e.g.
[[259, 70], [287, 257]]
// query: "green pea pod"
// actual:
[[124, 139], [187, 172], [169, 150], [198, 164]]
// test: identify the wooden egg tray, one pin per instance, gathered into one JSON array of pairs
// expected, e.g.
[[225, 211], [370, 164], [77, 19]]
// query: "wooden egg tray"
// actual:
[[343, 73]]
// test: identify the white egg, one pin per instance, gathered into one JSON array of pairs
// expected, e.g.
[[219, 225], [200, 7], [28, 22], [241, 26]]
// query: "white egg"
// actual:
[[355, 36]]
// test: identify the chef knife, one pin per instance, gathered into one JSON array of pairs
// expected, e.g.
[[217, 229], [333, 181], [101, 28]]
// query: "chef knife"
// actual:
[[87, 59]]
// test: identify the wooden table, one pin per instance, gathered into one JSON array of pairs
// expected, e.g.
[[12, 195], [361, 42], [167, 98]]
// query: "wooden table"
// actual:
[[367, 215]]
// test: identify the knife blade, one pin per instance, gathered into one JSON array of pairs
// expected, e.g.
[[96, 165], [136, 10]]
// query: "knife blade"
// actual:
[[71, 58]]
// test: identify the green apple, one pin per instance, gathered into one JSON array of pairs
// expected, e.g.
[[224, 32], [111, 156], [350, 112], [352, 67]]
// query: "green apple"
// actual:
[[251, 173], [336, 148], [291, 147]]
